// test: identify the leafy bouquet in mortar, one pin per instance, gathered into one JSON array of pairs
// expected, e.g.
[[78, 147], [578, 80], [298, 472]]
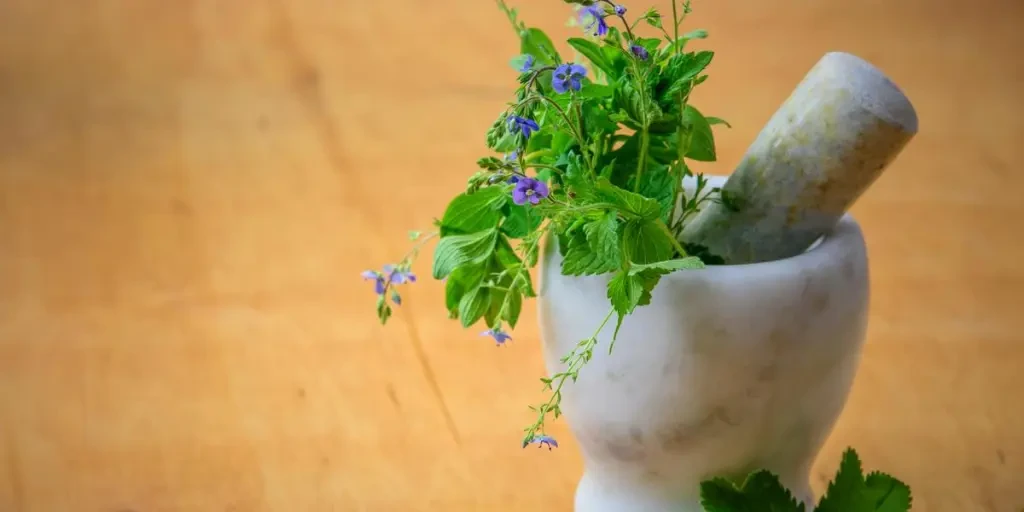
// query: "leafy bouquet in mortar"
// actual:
[[593, 153]]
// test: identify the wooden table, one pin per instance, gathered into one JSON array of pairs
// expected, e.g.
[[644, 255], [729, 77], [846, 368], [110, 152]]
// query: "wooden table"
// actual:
[[189, 190]]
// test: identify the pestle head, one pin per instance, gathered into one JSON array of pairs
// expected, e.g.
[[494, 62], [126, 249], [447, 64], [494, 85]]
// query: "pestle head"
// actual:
[[828, 142]]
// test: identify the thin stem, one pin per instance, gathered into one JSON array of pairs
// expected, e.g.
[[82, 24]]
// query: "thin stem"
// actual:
[[675, 243], [576, 134], [675, 24], [625, 23], [641, 157], [579, 356]]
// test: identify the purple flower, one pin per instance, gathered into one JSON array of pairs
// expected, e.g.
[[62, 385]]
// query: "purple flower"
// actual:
[[568, 76], [620, 10], [542, 440], [592, 18], [529, 189], [639, 51], [527, 64], [399, 276], [522, 125], [512, 180], [378, 279], [499, 336]]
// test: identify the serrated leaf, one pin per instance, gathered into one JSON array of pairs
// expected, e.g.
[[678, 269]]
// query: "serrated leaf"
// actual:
[[644, 241], [888, 493], [454, 251], [593, 53], [658, 183], [846, 492], [684, 67], [628, 202], [687, 263], [761, 492], [629, 99], [702, 140], [472, 212], [595, 249]]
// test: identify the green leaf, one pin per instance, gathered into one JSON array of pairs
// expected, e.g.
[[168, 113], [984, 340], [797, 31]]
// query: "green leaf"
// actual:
[[514, 308], [888, 493], [653, 17], [454, 251], [624, 292], [847, 492], [593, 90], [519, 61], [717, 120], [695, 34], [473, 305], [679, 44], [702, 140], [629, 100], [650, 44], [595, 249], [535, 42], [520, 221], [687, 263], [472, 212], [628, 202], [761, 492], [461, 280], [657, 183], [593, 53], [645, 241], [684, 67]]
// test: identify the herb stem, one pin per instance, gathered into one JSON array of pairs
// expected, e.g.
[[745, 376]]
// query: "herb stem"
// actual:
[[675, 242], [641, 157], [579, 356], [675, 24]]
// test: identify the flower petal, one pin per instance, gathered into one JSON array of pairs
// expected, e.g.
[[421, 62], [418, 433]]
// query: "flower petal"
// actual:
[[519, 195]]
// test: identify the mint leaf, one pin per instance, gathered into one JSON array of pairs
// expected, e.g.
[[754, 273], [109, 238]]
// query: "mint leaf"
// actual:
[[847, 492], [593, 53], [650, 44], [628, 202], [472, 212], [454, 251], [473, 305], [520, 221], [761, 492], [686, 66], [658, 183], [645, 241], [688, 263], [595, 249], [462, 280], [535, 42], [702, 141], [888, 493], [624, 292], [514, 308]]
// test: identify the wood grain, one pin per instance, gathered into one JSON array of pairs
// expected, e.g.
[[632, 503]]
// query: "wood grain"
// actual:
[[189, 189]]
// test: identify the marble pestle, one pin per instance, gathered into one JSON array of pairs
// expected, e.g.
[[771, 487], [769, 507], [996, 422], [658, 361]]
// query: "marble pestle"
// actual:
[[831, 139]]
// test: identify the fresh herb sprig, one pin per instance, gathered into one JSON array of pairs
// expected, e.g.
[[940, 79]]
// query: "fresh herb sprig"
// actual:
[[591, 154], [850, 491]]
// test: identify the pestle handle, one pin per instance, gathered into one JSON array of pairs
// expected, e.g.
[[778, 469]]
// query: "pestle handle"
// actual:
[[829, 141]]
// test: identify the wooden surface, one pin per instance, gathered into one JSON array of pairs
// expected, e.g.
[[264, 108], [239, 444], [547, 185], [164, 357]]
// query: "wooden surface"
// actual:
[[189, 190]]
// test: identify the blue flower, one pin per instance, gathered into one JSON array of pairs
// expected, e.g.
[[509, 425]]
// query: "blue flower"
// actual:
[[529, 189], [499, 336], [527, 63], [522, 125], [542, 440], [512, 180], [592, 18], [620, 10], [568, 76], [399, 276], [378, 278], [639, 51]]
